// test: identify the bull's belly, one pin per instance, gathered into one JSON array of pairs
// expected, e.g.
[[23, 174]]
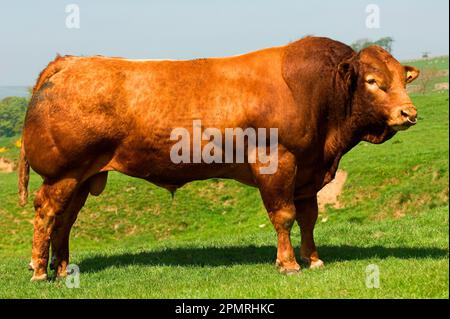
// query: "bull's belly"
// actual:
[[181, 175], [152, 162], [156, 166]]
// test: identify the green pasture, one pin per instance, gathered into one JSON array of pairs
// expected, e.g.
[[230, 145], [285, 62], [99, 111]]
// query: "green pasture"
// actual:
[[214, 239]]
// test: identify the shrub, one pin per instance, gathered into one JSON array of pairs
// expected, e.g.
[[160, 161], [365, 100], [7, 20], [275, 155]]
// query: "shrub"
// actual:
[[12, 114]]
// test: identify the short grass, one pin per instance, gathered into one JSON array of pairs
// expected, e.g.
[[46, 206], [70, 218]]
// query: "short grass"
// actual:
[[214, 240]]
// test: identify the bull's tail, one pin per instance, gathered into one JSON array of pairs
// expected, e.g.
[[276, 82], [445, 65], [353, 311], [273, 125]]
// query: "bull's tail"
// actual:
[[24, 176]]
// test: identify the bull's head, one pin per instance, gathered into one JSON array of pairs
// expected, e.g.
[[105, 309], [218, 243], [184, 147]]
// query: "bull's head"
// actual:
[[378, 82]]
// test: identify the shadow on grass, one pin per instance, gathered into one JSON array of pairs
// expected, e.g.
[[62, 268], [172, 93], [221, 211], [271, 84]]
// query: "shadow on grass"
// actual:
[[226, 256]]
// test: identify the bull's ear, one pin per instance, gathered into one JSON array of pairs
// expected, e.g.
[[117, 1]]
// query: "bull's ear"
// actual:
[[347, 71], [411, 73]]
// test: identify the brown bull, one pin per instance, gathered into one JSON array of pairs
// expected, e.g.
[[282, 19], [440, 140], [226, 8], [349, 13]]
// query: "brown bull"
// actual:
[[91, 115]]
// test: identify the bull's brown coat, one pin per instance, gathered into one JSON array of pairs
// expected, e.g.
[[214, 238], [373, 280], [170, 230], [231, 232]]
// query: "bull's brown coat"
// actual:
[[91, 115]]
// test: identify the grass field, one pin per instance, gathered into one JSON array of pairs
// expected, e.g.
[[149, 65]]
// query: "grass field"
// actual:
[[214, 240]]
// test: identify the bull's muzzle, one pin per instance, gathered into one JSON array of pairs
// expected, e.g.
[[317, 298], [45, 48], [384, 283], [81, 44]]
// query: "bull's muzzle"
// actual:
[[403, 118]]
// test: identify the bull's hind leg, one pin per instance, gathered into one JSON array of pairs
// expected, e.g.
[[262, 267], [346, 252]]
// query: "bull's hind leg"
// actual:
[[307, 212], [64, 222], [51, 200], [277, 194], [61, 232]]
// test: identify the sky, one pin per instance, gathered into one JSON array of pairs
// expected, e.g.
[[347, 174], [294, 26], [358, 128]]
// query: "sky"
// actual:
[[33, 32]]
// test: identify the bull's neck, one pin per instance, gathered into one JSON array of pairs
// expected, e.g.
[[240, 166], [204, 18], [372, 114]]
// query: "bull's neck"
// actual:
[[347, 126], [341, 131], [339, 140]]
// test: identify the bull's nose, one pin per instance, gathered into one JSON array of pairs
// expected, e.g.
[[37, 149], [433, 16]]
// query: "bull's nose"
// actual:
[[410, 114]]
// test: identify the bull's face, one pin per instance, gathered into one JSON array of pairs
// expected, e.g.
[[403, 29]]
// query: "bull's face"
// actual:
[[380, 88]]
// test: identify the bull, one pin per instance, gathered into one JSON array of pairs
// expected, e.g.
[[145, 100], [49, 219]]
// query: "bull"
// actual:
[[91, 115]]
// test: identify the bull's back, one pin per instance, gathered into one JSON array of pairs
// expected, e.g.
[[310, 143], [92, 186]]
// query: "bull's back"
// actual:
[[111, 108]]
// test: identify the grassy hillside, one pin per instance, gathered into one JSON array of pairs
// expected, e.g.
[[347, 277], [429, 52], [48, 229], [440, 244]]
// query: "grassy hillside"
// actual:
[[433, 71], [215, 240], [440, 63]]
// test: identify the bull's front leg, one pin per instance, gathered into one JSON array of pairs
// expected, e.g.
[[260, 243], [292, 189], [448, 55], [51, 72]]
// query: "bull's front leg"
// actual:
[[307, 212], [282, 219], [277, 191]]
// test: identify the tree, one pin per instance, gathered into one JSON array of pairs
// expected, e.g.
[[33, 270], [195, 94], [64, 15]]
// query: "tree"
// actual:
[[360, 44], [385, 43], [12, 114]]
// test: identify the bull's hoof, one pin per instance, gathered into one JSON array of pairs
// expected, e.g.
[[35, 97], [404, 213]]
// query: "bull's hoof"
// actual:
[[290, 269], [316, 264], [313, 264], [61, 274], [39, 277]]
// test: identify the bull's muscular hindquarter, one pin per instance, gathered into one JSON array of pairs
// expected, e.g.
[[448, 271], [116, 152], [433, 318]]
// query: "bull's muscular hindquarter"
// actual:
[[91, 115]]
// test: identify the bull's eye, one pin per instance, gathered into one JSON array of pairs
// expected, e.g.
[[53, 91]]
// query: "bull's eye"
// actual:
[[374, 84]]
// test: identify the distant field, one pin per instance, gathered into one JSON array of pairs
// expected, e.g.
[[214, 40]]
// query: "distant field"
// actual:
[[215, 240], [439, 64]]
